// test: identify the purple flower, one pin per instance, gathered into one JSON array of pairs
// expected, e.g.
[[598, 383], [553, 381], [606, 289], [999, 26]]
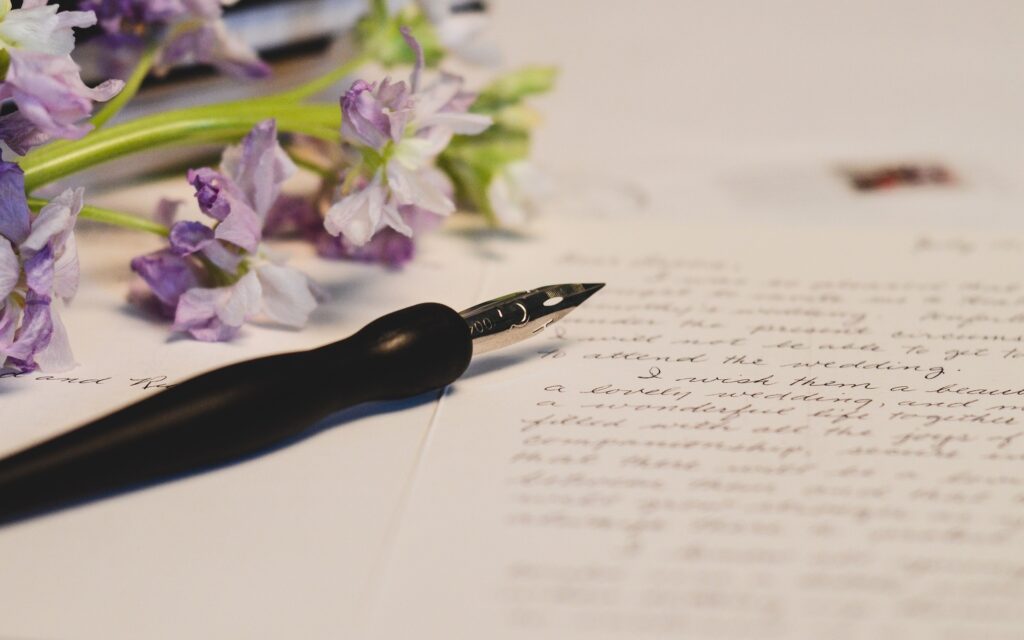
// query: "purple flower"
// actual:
[[374, 115], [124, 20], [388, 246], [207, 40], [195, 33], [292, 216], [168, 277], [41, 77], [20, 133], [213, 279], [38, 265], [50, 96], [407, 128]]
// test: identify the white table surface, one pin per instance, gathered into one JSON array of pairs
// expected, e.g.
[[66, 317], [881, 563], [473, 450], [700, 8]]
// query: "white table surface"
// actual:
[[706, 110]]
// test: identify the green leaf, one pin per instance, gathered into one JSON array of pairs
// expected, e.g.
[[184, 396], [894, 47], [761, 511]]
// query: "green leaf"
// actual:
[[512, 87], [492, 149], [473, 161], [517, 117], [382, 39], [470, 186]]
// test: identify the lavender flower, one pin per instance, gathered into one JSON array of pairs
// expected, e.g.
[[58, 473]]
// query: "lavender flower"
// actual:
[[125, 20], [204, 38], [388, 246], [195, 30], [402, 128], [294, 216], [41, 77], [213, 279], [38, 264]]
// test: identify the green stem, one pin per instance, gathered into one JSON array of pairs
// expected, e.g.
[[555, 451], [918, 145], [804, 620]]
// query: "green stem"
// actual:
[[182, 127], [267, 107], [224, 122], [317, 85], [131, 87], [111, 217]]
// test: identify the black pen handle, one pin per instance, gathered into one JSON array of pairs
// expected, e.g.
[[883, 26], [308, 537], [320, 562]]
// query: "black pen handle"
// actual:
[[237, 411]]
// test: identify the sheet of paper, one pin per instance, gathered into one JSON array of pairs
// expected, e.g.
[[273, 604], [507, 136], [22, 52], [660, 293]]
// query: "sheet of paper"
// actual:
[[748, 433]]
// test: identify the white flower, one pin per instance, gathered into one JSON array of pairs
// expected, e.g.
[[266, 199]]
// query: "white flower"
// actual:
[[515, 193], [363, 213], [37, 26]]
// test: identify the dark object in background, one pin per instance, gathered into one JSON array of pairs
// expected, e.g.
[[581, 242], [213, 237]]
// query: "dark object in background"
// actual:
[[892, 176]]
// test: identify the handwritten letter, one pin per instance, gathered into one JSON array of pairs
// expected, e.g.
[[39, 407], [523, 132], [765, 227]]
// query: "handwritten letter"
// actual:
[[743, 436]]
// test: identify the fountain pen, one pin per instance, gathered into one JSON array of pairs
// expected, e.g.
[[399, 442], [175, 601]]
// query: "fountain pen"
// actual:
[[246, 408]]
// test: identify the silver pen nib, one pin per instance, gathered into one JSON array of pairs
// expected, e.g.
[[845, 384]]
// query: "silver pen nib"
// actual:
[[517, 316]]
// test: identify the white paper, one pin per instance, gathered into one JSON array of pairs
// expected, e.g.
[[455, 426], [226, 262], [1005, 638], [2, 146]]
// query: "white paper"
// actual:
[[747, 434]]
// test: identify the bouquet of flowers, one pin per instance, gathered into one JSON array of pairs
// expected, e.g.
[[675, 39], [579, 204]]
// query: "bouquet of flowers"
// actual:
[[392, 159]]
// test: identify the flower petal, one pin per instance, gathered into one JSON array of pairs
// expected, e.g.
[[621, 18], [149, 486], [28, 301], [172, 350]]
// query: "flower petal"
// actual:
[[244, 301], [188, 237], [10, 269], [437, 96], [469, 124], [364, 118], [209, 41], [222, 199], [55, 221], [357, 216], [287, 298], [50, 93], [258, 166], [168, 275], [21, 134], [214, 192], [387, 247], [10, 314], [38, 27], [39, 272], [66, 271], [393, 218], [242, 228], [221, 255], [34, 333], [14, 213], [56, 356], [416, 188], [216, 314], [197, 315]]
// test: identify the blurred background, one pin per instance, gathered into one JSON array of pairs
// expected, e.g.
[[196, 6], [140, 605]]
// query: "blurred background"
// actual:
[[731, 109]]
